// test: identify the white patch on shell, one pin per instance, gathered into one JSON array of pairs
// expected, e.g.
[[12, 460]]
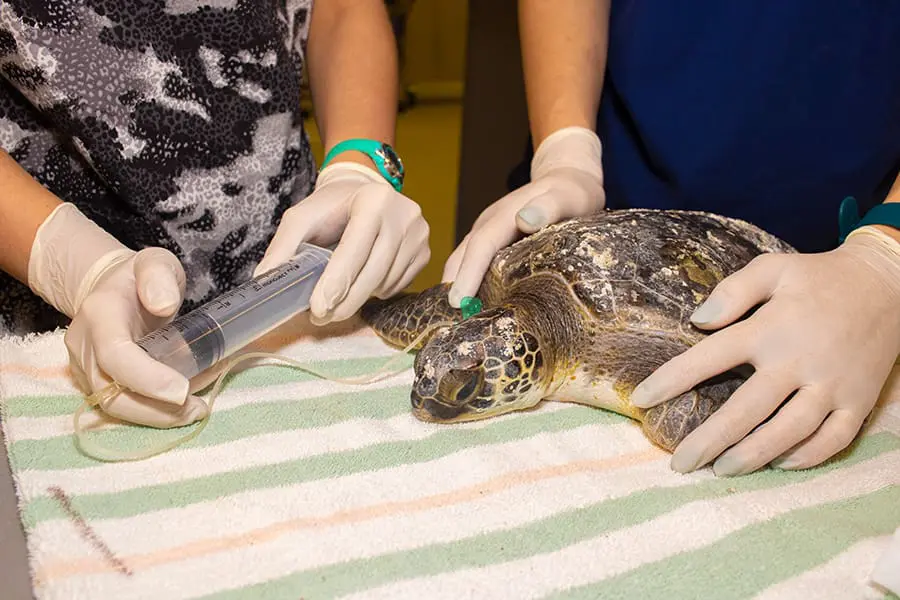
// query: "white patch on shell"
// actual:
[[466, 348], [602, 260], [428, 370], [506, 326], [668, 272]]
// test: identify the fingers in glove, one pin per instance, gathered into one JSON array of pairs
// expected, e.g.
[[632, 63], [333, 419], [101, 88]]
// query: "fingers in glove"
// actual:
[[295, 228], [373, 272], [414, 253], [494, 229], [477, 257], [711, 356], [795, 421], [141, 410], [834, 435], [536, 214], [549, 208], [77, 358], [753, 402], [735, 295], [412, 269], [347, 260], [160, 281], [208, 377], [109, 347], [451, 267]]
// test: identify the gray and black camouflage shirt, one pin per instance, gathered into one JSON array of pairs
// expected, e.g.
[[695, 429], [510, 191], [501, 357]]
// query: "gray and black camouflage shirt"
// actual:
[[172, 123]]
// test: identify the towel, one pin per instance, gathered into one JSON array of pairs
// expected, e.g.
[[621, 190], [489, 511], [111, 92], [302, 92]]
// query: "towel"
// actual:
[[304, 488]]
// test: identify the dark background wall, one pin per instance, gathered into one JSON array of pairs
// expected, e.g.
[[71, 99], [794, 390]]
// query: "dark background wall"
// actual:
[[495, 120]]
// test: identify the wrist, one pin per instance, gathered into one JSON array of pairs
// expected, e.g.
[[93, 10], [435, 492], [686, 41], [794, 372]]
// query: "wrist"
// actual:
[[567, 119], [884, 217], [378, 154], [349, 171], [355, 157], [890, 231], [880, 249], [570, 147], [69, 255]]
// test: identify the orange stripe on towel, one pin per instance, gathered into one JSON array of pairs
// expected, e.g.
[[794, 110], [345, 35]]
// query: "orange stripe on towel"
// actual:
[[66, 567]]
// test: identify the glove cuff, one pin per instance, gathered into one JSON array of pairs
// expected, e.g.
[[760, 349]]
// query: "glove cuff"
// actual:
[[349, 171], [880, 251], [70, 253], [572, 147], [879, 238]]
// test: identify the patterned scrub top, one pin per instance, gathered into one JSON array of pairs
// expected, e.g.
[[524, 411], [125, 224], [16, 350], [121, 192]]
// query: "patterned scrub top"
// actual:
[[173, 123]]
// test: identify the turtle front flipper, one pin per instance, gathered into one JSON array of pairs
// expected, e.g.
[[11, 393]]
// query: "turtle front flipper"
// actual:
[[399, 320], [667, 424]]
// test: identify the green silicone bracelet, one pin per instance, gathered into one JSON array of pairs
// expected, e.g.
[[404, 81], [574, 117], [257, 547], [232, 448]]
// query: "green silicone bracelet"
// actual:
[[880, 214], [389, 164]]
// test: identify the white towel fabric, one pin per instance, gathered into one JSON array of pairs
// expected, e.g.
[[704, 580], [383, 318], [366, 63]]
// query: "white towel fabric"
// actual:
[[301, 487], [887, 570]]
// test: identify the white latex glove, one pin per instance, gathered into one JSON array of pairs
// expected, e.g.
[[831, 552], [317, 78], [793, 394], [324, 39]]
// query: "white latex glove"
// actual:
[[383, 239], [566, 181], [113, 296], [827, 331]]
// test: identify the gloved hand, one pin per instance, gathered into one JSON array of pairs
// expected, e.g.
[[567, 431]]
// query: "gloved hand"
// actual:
[[566, 181], [114, 296], [826, 336], [383, 239]]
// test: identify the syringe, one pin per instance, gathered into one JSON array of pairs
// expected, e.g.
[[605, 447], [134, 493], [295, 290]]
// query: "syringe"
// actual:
[[196, 341], [192, 343]]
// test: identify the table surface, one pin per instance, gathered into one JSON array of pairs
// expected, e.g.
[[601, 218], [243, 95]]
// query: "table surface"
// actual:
[[13, 554]]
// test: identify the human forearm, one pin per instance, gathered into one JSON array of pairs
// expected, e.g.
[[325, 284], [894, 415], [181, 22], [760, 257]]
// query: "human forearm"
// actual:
[[24, 205], [352, 63], [564, 57], [48, 244]]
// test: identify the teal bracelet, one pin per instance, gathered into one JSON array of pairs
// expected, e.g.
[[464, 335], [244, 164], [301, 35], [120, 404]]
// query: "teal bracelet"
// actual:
[[880, 214], [386, 160]]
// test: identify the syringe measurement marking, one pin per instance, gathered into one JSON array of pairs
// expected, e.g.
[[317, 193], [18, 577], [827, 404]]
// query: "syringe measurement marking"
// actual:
[[240, 314]]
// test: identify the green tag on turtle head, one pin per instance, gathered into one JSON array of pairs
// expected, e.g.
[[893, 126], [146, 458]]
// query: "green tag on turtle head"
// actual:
[[470, 306]]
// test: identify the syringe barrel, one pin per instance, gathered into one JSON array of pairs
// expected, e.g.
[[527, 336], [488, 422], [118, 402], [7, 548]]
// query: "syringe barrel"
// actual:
[[196, 341]]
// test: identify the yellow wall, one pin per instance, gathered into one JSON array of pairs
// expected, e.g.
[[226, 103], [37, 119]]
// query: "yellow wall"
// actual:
[[436, 42]]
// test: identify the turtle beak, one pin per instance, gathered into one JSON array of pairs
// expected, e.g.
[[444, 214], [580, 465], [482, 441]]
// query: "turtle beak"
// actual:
[[432, 411]]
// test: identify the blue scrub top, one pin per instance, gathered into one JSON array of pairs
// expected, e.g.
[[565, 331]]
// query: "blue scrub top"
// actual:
[[769, 111]]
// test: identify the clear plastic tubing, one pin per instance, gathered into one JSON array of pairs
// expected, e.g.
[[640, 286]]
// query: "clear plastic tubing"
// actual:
[[192, 343]]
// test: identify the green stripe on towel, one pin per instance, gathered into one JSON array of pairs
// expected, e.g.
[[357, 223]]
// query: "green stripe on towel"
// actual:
[[377, 456], [739, 566], [546, 535], [262, 376]]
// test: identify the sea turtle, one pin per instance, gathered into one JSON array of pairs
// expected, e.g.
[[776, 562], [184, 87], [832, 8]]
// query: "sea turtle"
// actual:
[[581, 311]]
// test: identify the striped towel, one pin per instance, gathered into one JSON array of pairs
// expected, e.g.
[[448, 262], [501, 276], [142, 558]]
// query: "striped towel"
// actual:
[[303, 488]]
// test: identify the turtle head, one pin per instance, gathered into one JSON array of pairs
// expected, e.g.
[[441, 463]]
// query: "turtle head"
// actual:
[[481, 367]]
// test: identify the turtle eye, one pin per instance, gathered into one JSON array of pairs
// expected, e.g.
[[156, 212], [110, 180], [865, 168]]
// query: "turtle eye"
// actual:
[[468, 386]]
